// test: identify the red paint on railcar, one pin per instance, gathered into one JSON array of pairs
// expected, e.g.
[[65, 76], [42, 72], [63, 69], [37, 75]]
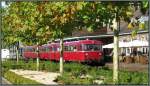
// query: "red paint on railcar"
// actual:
[[29, 52]]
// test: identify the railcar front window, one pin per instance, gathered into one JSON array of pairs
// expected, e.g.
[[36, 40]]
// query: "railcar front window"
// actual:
[[92, 47]]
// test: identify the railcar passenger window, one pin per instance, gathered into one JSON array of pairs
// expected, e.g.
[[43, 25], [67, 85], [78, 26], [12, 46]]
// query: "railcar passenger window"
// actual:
[[65, 48], [58, 49], [100, 47], [54, 49], [70, 48], [33, 50], [47, 49], [44, 49]]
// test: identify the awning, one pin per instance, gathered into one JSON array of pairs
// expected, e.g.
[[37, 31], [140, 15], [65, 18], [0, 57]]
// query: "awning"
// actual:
[[138, 43], [134, 43], [121, 44]]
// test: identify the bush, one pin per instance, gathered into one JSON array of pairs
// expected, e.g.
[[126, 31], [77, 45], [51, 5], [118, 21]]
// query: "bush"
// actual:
[[133, 78], [72, 71], [68, 79]]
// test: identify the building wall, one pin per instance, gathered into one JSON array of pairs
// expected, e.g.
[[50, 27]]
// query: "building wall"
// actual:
[[127, 38], [141, 36]]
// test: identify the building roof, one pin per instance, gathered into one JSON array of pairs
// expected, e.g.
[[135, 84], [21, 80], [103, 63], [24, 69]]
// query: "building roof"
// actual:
[[98, 36]]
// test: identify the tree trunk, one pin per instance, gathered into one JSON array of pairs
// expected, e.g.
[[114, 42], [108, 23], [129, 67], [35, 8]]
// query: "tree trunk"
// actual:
[[115, 55], [37, 64], [37, 59], [61, 56], [17, 56]]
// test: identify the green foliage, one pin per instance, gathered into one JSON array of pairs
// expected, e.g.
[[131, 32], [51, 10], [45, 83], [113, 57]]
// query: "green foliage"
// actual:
[[73, 71], [93, 15], [17, 79], [32, 22], [133, 78], [70, 79]]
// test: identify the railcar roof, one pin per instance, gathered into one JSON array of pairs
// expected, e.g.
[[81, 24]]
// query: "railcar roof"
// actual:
[[70, 42], [78, 42], [31, 46]]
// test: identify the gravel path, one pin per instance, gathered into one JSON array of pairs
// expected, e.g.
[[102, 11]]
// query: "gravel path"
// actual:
[[4, 81], [42, 77]]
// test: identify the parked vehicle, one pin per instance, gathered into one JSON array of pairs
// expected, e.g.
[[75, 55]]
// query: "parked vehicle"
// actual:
[[77, 51]]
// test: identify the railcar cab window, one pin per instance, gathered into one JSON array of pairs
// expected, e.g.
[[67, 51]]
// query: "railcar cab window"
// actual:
[[92, 47]]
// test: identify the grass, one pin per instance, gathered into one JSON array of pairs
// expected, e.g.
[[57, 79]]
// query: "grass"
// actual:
[[17, 79], [73, 71]]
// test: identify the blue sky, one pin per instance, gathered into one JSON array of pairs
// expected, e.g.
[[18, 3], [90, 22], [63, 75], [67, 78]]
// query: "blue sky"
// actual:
[[3, 4]]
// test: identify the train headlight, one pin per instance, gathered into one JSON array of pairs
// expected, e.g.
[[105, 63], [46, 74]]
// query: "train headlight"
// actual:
[[100, 54], [86, 54]]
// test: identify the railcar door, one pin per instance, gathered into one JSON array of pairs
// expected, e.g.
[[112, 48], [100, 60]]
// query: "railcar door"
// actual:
[[80, 54], [70, 53], [40, 52], [47, 50], [53, 53], [57, 53]]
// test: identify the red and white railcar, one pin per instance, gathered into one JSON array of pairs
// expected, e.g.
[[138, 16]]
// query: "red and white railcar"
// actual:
[[79, 51]]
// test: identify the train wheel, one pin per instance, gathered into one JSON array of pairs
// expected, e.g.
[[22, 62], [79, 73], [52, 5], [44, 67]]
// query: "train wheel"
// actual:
[[102, 63], [26, 60]]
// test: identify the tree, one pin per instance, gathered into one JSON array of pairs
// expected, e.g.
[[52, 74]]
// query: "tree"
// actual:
[[96, 15], [62, 22], [120, 10], [140, 23], [25, 20], [33, 22]]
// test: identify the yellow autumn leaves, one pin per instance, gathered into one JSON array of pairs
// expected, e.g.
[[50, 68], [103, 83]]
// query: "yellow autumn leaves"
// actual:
[[140, 26]]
